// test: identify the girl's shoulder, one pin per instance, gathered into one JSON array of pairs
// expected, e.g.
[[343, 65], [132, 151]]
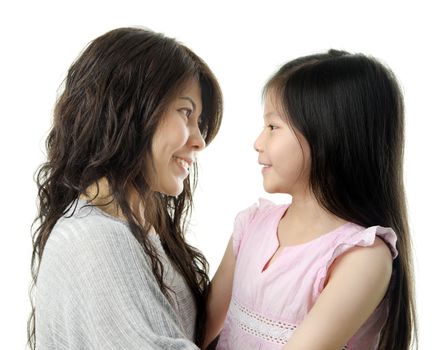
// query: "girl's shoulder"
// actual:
[[262, 214], [353, 236], [358, 236], [262, 209]]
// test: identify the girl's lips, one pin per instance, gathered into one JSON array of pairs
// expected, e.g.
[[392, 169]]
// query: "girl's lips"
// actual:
[[266, 168]]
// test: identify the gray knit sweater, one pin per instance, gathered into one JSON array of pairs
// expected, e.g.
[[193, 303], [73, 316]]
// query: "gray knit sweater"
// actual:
[[96, 290]]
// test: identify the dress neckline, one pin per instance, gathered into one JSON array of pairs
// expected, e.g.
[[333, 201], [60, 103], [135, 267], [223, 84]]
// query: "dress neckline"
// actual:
[[277, 251]]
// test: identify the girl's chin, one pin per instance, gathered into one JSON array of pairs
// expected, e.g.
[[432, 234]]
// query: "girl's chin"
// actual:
[[271, 188]]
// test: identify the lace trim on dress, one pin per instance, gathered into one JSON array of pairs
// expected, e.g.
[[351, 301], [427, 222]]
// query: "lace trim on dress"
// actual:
[[277, 332]]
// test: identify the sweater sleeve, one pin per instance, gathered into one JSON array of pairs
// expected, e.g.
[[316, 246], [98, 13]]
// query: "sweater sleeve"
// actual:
[[97, 291]]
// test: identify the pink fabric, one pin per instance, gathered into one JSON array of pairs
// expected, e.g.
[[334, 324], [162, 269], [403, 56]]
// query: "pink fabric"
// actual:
[[268, 305]]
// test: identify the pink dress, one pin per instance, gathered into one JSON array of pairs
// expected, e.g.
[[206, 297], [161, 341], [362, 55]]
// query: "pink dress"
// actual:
[[267, 305]]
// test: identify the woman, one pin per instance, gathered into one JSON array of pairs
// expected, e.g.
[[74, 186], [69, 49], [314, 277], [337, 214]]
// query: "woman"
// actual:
[[110, 262]]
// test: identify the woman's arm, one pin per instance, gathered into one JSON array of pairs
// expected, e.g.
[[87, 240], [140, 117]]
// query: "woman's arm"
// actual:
[[96, 290], [220, 294], [357, 283]]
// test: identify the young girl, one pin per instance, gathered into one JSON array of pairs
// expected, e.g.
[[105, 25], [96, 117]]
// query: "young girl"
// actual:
[[331, 270], [112, 267]]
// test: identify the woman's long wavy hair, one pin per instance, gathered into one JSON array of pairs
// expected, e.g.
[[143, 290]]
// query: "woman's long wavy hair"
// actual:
[[113, 99], [349, 108]]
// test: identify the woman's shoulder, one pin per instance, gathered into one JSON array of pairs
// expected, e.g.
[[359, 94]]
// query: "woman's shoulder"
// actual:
[[86, 245], [93, 267], [86, 234], [84, 224]]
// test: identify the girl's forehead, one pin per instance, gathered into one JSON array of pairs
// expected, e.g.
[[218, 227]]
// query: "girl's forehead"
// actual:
[[272, 106], [271, 114], [272, 98]]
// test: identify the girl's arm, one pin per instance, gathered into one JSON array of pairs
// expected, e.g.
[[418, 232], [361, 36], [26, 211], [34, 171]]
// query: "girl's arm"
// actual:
[[220, 294], [356, 285]]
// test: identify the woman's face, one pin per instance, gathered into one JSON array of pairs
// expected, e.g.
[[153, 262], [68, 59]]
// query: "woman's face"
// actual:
[[177, 141]]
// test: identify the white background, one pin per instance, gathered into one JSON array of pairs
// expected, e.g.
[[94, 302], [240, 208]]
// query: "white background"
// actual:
[[243, 43]]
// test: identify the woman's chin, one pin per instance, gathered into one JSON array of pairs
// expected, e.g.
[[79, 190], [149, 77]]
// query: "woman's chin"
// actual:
[[173, 190]]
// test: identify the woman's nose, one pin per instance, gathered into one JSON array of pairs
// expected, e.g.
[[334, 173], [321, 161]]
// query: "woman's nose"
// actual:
[[196, 139]]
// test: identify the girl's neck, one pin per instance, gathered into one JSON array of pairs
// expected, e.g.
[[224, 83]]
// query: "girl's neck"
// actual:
[[305, 220]]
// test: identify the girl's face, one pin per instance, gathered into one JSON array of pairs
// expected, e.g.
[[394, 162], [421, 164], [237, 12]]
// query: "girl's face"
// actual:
[[177, 141], [284, 155]]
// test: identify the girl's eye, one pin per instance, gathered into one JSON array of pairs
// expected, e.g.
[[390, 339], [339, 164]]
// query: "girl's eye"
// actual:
[[272, 127]]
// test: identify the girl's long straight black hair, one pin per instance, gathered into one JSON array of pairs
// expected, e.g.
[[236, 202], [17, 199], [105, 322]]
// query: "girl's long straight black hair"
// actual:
[[113, 99], [349, 107]]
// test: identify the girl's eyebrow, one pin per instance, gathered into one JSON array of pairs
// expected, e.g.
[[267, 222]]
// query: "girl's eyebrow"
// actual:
[[190, 100], [271, 114]]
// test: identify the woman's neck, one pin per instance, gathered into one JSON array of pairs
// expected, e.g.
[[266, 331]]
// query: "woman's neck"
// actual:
[[100, 195]]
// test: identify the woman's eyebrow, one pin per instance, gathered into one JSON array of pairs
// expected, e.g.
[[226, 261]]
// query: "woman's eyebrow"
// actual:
[[190, 100]]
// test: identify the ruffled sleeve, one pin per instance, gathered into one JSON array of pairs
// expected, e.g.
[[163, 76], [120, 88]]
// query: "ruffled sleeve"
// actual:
[[365, 237], [242, 221]]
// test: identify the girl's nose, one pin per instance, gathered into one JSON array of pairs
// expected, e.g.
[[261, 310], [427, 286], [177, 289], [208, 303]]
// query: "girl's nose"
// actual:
[[258, 144]]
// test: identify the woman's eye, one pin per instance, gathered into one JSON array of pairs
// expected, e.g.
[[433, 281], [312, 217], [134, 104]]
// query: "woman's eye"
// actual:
[[187, 112], [272, 127]]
